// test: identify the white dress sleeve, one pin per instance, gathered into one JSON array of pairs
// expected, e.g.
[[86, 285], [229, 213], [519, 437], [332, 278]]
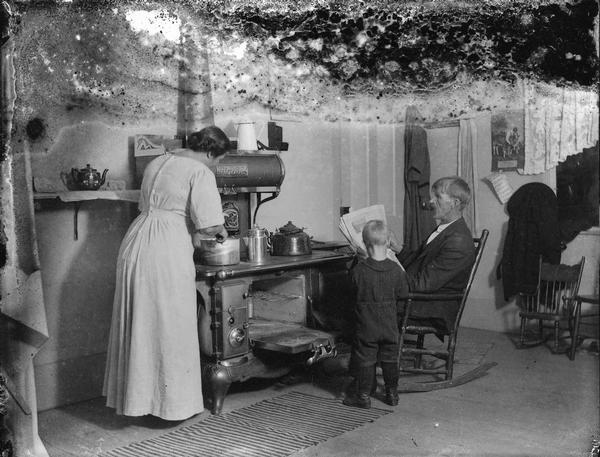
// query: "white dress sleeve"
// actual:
[[205, 201], [143, 201]]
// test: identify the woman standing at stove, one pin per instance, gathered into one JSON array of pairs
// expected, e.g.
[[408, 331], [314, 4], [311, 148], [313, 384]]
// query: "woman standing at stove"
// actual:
[[153, 360]]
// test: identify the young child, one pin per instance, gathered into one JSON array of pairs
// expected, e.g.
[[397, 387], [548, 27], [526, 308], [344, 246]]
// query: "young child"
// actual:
[[380, 283]]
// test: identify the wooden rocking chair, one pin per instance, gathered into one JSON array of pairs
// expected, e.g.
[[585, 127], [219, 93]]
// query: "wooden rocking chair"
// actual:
[[553, 300], [416, 351]]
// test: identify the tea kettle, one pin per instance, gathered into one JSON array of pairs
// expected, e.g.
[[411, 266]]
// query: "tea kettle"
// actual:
[[88, 178], [290, 240]]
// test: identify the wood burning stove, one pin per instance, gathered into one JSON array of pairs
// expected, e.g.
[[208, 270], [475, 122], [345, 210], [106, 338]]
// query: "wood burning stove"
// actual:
[[256, 320]]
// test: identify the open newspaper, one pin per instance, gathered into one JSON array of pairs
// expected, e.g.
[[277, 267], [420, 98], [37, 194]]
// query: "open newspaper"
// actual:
[[352, 223]]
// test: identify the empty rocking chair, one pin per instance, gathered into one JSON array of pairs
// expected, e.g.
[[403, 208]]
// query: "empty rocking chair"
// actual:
[[553, 300], [416, 351]]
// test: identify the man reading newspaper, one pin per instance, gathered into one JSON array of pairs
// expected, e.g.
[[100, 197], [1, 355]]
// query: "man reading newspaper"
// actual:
[[443, 262]]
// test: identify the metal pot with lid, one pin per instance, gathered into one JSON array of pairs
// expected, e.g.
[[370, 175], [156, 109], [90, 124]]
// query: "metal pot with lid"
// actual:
[[210, 251], [290, 240]]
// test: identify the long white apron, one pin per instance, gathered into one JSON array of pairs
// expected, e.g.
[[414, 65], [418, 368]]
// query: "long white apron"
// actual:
[[153, 360]]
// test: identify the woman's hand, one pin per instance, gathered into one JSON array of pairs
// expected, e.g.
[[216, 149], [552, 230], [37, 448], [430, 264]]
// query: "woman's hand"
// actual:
[[221, 235], [217, 231]]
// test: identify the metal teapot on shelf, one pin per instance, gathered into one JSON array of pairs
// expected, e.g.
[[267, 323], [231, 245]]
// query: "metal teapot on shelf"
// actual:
[[290, 240], [88, 178]]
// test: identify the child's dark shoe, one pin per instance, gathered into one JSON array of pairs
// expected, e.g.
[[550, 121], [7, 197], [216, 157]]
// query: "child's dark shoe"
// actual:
[[391, 396], [359, 401]]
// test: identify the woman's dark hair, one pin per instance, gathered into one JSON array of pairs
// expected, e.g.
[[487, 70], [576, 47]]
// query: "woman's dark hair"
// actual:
[[210, 139]]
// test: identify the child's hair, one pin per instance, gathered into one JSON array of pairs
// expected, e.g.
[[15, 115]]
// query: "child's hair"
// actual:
[[375, 233]]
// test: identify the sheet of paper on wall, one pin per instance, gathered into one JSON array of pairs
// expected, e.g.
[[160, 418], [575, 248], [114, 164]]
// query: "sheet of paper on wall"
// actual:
[[501, 186], [153, 145], [352, 223], [148, 147]]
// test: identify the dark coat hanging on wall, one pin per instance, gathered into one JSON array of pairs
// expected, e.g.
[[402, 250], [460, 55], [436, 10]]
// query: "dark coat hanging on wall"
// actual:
[[418, 218], [533, 231]]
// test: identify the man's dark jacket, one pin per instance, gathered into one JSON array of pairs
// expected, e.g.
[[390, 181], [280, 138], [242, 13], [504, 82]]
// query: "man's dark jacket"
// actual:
[[533, 231], [441, 266]]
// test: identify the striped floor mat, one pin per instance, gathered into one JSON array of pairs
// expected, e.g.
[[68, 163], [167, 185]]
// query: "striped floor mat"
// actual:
[[276, 427]]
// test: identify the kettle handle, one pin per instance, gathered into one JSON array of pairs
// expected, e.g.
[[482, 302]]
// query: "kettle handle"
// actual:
[[103, 176]]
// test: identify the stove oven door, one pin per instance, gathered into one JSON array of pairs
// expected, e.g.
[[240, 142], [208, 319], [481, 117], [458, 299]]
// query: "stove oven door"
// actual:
[[223, 320], [280, 316], [289, 338]]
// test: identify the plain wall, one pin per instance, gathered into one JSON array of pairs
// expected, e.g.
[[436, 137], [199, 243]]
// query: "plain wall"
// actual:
[[328, 165], [78, 275]]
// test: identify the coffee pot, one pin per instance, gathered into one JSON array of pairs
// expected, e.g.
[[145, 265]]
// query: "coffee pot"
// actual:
[[258, 244], [88, 178]]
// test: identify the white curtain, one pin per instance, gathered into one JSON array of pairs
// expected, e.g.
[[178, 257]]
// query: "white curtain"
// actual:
[[467, 168], [559, 122]]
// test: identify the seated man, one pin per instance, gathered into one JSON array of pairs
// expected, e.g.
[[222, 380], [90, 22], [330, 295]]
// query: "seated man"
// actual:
[[443, 263]]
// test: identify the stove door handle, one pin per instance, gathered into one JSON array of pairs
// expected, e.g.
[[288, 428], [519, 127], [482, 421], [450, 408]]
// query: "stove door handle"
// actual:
[[224, 274]]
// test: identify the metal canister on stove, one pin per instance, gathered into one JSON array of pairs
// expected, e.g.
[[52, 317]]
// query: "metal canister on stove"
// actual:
[[258, 244]]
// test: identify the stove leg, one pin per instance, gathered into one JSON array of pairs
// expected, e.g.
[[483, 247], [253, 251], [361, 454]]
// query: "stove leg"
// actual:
[[217, 380]]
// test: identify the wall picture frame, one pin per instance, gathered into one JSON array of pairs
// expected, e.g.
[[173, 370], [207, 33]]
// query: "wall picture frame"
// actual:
[[508, 140]]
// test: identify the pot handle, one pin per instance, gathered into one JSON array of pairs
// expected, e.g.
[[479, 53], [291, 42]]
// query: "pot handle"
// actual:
[[270, 242]]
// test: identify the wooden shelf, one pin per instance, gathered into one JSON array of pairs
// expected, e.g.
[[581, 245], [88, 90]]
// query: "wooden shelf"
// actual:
[[130, 195], [78, 196]]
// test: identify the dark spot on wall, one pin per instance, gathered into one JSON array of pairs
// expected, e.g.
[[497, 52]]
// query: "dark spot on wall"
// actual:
[[4, 24], [423, 49], [35, 129], [3, 251], [315, 52]]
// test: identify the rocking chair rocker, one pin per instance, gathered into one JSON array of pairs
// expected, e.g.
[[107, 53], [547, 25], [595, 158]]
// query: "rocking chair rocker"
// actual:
[[416, 351]]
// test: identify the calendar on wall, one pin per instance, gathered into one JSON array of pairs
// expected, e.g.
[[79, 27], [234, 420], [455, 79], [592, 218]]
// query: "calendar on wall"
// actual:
[[508, 140]]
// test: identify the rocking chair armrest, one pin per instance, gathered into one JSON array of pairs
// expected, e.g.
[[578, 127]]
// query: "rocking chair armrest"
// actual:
[[422, 296], [528, 294], [569, 301]]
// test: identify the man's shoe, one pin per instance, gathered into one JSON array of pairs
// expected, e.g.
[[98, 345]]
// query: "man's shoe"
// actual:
[[391, 396], [359, 401]]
